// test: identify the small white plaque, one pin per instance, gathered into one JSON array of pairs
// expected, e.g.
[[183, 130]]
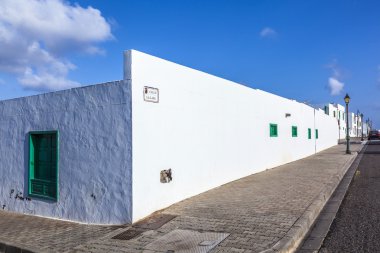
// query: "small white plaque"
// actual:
[[151, 94]]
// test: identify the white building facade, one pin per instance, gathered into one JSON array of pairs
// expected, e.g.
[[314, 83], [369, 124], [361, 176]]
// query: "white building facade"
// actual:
[[114, 153], [356, 127], [337, 112]]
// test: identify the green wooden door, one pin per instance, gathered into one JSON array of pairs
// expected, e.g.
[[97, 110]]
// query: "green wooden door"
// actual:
[[43, 169]]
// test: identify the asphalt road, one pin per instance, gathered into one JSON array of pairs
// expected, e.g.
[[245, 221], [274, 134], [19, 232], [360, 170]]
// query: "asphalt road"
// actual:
[[356, 227]]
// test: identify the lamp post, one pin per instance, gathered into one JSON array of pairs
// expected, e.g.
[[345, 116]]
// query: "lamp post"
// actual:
[[367, 127], [357, 123], [361, 122], [347, 101]]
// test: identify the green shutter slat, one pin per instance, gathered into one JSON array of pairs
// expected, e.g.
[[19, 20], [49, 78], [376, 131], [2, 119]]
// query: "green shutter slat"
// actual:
[[43, 187]]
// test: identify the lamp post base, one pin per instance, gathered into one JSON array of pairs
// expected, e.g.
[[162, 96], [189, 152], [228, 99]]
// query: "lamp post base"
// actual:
[[348, 151]]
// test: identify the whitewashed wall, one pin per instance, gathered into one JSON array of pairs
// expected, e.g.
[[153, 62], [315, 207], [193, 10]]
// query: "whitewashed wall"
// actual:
[[209, 131], [337, 111], [113, 144], [94, 125]]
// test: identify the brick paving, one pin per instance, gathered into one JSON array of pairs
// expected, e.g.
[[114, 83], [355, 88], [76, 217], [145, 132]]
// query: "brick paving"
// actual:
[[257, 211], [46, 235]]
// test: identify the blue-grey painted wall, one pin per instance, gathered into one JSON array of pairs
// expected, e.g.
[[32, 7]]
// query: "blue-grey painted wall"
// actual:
[[95, 162]]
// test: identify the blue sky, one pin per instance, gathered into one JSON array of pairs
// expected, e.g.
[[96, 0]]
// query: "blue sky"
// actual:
[[312, 51]]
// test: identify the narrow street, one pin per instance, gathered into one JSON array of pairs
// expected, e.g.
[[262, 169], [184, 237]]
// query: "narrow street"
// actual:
[[357, 225]]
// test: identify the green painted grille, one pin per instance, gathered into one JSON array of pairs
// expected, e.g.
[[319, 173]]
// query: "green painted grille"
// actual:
[[273, 130], [41, 187], [294, 131], [327, 110]]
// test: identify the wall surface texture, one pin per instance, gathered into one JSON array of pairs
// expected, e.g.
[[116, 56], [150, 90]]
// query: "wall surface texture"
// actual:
[[209, 131], [94, 125]]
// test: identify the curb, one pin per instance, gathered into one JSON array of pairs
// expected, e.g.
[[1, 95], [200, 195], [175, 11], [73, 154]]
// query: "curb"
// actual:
[[317, 234], [296, 234]]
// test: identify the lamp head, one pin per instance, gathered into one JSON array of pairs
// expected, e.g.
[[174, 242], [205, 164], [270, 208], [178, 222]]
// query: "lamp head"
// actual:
[[347, 98]]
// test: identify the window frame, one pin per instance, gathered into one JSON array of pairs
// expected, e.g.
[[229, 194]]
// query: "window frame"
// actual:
[[31, 167], [309, 133], [274, 127], [294, 131], [316, 134]]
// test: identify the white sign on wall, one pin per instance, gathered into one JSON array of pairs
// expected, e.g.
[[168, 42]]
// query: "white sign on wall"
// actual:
[[151, 94]]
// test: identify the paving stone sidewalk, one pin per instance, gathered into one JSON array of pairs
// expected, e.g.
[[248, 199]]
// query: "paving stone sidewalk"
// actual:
[[45, 235], [266, 211]]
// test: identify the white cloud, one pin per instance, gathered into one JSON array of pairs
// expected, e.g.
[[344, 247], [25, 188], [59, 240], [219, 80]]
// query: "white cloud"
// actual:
[[268, 32], [45, 81], [36, 35], [335, 86]]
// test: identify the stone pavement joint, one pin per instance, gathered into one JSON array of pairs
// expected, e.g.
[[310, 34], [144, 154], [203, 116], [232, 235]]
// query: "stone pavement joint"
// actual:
[[269, 212]]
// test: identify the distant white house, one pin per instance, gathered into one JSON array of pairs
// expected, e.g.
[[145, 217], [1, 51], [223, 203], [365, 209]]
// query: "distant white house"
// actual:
[[366, 129], [355, 123], [337, 111], [114, 153]]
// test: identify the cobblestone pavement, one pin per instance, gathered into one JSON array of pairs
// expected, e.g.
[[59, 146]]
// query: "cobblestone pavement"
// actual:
[[41, 234], [257, 211]]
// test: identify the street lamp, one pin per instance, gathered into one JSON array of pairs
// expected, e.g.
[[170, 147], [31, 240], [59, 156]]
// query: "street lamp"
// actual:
[[367, 127], [357, 124], [361, 117], [347, 101]]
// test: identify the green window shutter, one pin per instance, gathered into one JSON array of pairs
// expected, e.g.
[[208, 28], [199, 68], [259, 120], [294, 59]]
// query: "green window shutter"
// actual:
[[294, 131], [316, 133], [273, 130], [309, 133], [43, 164]]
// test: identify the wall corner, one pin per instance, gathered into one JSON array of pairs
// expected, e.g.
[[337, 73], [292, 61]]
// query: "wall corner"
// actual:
[[127, 65]]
